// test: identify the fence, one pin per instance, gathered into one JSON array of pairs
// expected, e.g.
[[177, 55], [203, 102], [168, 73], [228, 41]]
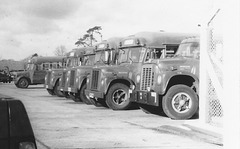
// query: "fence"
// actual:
[[211, 68]]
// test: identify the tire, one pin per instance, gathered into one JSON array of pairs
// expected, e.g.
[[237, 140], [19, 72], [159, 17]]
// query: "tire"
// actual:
[[180, 102], [96, 103], [23, 83], [56, 91], [149, 109], [117, 97], [83, 96], [75, 97], [51, 92]]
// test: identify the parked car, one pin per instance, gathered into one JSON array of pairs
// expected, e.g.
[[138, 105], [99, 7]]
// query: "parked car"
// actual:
[[15, 127]]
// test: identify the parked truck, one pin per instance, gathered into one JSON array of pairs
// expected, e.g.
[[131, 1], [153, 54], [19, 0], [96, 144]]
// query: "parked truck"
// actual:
[[36, 70], [73, 58], [111, 84], [105, 54], [170, 84], [64, 82]]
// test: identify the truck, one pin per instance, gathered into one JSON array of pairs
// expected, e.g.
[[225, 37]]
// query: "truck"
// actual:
[[105, 54], [73, 58], [15, 127], [5, 75], [36, 70], [64, 81], [170, 85], [111, 84]]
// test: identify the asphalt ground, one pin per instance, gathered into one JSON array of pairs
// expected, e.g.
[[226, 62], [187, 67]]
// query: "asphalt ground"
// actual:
[[60, 123]]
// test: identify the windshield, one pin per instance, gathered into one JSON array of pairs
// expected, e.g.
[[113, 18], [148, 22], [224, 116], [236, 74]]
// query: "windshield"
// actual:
[[73, 61], [89, 60], [189, 50], [100, 57], [131, 55], [30, 66]]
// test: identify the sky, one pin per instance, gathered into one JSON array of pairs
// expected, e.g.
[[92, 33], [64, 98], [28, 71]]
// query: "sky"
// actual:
[[40, 26]]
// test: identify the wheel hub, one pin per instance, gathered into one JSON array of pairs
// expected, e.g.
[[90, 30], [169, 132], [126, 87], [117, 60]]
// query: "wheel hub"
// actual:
[[119, 97], [181, 102]]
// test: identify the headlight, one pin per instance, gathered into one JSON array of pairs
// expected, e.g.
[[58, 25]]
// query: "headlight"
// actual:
[[159, 79], [138, 78], [87, 80]]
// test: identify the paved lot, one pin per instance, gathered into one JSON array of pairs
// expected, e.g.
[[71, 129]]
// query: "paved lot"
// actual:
[[60, 123]]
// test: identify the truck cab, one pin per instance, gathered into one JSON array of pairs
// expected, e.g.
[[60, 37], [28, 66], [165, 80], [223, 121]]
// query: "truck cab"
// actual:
[[68, 73], [37, 68], [171, 83], [15, 127], [105, 54], [52, 77], [111, 84]]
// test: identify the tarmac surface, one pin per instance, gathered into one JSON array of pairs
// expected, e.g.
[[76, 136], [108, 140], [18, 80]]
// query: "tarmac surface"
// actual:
[[60, 123]]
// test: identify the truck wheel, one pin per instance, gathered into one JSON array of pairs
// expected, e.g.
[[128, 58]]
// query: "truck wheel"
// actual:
[[75, 97], [83, 96], [50, 91], [148, 109], [23, 83], [56, 91], [180, 102], [117, 97], [97, 103]]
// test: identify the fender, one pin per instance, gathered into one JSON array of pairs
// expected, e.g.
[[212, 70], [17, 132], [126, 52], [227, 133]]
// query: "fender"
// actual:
[[55, 80], [81, 79], [117, 79], [166, 79]]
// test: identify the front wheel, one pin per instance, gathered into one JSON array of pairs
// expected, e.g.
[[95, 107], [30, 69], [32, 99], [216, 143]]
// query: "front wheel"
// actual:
[[117, 97], [180, 102], [83, 96], [23, 83], [56, 91], [50, 91]]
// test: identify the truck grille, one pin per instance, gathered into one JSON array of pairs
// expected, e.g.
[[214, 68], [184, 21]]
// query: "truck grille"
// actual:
[[48, 77], [147, 78], [95, 76], [72, 78], [63, 78]]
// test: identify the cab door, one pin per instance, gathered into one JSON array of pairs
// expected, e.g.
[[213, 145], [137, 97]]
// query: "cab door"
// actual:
[[39, 74]]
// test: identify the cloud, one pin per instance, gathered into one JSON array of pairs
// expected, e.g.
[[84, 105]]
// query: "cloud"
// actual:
[[50, 9]]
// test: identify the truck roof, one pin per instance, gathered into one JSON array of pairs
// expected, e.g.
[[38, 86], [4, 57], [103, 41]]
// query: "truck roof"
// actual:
[[111, 43], [77, 52], [154, 39], [39, 60], [191, 39]]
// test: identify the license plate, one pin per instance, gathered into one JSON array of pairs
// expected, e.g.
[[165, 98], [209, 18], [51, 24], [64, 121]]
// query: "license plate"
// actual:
[[69, 89]]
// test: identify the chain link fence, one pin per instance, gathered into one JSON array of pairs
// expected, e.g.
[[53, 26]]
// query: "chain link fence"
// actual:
[[214, 79]]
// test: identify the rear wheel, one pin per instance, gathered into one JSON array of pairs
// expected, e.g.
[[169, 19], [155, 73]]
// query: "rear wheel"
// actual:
[[56, 91], [83, 96], [23, 83], [117, 97], [180, 102]]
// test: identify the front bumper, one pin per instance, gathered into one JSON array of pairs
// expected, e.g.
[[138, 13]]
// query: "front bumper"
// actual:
[[94, 94], [144, 97]]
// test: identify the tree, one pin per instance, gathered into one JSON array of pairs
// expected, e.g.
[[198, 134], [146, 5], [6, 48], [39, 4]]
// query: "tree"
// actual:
[[60, 51], [88, 39]]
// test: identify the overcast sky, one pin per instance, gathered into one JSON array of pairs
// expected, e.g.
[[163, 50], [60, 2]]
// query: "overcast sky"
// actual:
[[40, 26]]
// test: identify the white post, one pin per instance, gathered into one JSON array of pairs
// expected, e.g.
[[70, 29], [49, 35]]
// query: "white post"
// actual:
[[231, 84], [203, 75]]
